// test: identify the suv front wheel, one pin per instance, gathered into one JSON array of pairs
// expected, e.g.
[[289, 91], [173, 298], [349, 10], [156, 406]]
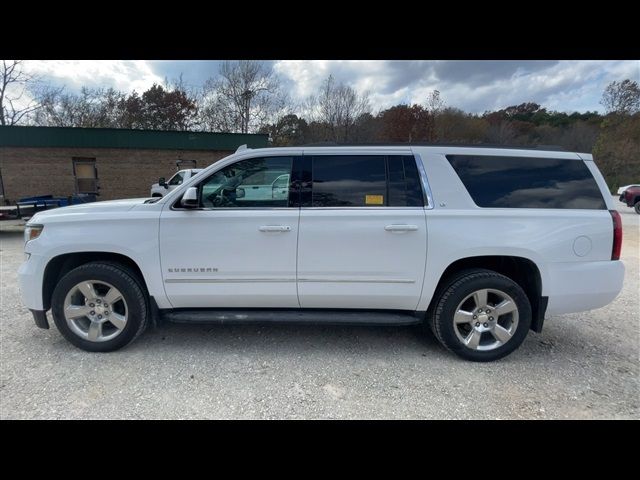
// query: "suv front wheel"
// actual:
[[99, 307], [481, 315]]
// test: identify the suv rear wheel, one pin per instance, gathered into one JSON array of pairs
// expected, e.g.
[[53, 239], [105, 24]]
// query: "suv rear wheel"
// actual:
[[99, 307], [481, 315]]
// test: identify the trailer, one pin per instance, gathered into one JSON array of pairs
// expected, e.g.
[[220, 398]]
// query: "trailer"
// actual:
[[28, 206]]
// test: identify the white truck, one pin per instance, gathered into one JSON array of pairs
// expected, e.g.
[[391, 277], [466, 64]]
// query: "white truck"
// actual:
[[479, 244], [163, 186]]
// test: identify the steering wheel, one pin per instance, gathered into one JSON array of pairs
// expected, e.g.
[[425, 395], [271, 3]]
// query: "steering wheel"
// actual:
[[220, 200], [218, 197]]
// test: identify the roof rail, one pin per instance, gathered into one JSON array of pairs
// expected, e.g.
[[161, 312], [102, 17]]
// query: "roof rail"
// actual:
[[421, 144], [242, 147]]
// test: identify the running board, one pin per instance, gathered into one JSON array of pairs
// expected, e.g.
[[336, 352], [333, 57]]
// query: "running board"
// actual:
[[294, 316]]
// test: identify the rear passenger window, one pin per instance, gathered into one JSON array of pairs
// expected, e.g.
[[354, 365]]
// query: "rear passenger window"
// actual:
[[527, 182], [349, 181], [365, 181]]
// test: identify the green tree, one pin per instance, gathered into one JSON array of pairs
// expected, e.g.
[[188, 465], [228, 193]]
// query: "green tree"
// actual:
[[159, 109], [617, 151], [288, 130]]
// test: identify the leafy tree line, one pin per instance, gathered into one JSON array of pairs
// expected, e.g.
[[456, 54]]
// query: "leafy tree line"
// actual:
[[248, 96]]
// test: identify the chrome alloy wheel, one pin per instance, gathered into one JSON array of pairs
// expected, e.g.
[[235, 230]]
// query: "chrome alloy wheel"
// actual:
[[486, 319], [95, 311]]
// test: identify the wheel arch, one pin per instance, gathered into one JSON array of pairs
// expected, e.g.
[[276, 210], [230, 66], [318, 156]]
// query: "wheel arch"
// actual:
[[524, 271], [60, 265]]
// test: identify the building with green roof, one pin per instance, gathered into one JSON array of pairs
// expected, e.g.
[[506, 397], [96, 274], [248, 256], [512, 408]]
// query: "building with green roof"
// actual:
[[114, 163]]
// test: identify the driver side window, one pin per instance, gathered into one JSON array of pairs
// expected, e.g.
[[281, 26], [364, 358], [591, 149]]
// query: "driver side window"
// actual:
[[251, 183], [176, 179]]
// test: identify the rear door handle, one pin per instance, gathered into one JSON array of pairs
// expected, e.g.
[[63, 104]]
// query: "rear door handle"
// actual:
[[275, 228], [401, 228]]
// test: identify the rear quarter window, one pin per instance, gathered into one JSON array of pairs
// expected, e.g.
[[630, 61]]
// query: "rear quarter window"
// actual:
[[527, 182]]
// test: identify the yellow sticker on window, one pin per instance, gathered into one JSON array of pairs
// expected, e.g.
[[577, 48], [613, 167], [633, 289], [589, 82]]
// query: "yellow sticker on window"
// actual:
[[374, 199]]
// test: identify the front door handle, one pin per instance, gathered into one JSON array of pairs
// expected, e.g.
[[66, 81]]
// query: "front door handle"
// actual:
[[275, 228], [401, 228]]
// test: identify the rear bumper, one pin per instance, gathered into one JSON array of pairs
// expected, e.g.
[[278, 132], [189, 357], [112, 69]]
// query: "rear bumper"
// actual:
[[582, 286]]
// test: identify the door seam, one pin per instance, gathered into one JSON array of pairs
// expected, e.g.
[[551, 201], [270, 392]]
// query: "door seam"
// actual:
[[297, 254]]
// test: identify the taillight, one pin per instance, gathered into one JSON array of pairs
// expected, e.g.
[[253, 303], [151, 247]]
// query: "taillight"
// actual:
[[617, 235]]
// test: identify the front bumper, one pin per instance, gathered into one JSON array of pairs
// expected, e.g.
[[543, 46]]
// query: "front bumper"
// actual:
[[30, 276]]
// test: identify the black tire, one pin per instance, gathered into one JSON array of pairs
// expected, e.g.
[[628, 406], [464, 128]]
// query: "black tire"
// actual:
[[454, 291], [124, 280], [155, 195], [637, 207]]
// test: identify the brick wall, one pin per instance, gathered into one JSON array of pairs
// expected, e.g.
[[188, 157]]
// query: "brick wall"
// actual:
[[122, 173]]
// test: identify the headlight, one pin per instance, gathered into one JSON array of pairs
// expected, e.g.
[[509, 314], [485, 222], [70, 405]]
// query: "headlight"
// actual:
[[32, 232]]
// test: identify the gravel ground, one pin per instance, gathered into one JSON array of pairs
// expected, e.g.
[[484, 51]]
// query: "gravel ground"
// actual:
[[582, 366]]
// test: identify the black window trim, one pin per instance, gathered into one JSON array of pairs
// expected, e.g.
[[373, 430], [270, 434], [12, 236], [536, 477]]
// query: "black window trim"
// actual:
[[301, 184]]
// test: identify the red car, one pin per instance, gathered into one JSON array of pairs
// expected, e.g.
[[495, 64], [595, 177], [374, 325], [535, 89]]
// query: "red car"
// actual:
[[631, 197]]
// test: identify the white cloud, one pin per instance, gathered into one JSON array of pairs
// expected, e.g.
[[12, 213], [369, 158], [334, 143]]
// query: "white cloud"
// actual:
[[125, 75], [305, 76], [473, 86]]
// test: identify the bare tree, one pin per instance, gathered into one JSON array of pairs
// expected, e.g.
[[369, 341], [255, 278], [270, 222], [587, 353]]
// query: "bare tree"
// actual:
[[215, 114], [337, 107], [19, 92], [92, 108], [503, 133], [244, 97], [622, 97], [434, 104], [155, 109]]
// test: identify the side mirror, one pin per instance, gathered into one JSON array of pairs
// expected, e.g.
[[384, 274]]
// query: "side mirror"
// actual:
[[240, 193], [163, 182], [190, 198]]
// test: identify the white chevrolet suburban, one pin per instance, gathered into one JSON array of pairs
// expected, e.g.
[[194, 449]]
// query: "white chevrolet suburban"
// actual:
[[477, 243]]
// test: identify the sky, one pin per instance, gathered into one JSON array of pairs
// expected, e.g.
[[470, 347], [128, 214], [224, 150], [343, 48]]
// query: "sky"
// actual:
[[473, 86]]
